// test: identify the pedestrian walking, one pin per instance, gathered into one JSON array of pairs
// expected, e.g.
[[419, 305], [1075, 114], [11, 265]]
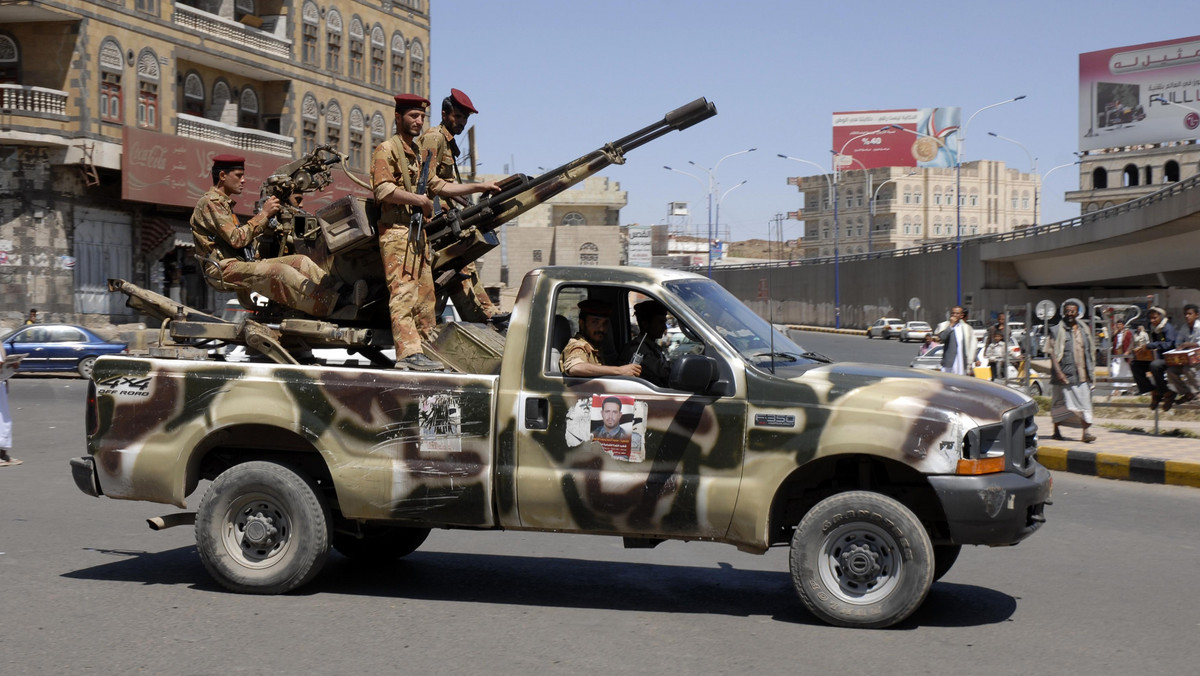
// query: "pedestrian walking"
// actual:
[[1072, 372]]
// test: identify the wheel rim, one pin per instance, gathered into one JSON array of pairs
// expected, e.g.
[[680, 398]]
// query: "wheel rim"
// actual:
[[860, 563], [257, 530], [86, 366]]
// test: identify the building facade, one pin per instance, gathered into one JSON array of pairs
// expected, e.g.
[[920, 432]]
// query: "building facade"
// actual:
[[111, 112], [912, 206], [1110, 176]]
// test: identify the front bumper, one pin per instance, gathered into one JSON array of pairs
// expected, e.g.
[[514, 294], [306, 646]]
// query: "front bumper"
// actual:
[[83, 470], [993, 509]]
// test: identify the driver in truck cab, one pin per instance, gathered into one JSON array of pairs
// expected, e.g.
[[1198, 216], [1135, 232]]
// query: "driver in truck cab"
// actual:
[[581, 357]]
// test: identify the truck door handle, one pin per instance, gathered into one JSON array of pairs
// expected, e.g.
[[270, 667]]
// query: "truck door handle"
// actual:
[[537, 413]]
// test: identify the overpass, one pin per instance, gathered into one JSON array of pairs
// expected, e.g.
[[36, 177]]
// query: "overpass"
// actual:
[[1146, 246]]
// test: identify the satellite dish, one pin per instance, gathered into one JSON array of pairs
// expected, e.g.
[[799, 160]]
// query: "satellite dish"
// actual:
[[1045, 309]]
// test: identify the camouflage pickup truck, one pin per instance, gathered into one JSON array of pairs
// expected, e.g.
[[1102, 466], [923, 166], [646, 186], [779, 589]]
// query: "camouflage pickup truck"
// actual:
[[874, 477]]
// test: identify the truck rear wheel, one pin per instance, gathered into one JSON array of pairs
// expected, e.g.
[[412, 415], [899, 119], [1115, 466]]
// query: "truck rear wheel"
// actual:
[[262, 528], [861, 559], [379, 543]]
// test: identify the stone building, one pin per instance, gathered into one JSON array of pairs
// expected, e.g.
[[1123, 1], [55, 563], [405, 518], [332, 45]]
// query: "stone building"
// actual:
[[912, 206], [111, 111], [1110, 176]]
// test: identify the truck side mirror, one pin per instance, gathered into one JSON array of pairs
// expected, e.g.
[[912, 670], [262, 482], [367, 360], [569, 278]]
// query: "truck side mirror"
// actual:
[[693, 372]]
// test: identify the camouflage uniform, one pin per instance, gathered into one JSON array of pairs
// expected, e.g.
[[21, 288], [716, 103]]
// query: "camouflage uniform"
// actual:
[[466, 291], [295, 281], [409, 271], [579, 351]]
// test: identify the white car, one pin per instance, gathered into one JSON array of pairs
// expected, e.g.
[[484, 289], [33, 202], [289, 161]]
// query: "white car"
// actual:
[[915, 331], [885, 328]]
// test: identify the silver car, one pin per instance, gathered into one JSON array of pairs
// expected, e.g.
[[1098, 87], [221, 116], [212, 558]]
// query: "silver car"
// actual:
[[885, 328], [915, 331]]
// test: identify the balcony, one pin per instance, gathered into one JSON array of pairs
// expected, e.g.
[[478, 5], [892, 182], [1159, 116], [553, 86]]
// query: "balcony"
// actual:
[[253, 140], [202, 23], [36, 100]]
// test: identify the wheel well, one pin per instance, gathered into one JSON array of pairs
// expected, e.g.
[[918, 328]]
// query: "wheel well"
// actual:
[[830, 475], [231, 446]]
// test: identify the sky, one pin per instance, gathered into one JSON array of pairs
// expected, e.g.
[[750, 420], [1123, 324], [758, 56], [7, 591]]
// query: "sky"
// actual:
[[556, 79]]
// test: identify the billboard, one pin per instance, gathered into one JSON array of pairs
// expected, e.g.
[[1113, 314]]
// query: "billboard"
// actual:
[[928, 138], [1120, 90], [640, 248]]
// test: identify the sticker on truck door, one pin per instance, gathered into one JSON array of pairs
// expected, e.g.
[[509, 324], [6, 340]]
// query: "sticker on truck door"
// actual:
[[441, 424], [617, 423]]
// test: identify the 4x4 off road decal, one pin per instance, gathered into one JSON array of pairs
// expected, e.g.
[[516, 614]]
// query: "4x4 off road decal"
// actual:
[[126, 387]]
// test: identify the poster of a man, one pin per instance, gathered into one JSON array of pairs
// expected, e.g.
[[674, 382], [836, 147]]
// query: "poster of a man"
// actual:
[[618, 425], [610, 421]]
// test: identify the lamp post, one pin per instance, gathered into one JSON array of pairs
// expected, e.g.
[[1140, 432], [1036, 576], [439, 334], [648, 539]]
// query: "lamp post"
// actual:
[[832, 186], [1032, 162], [874, 199], [961, 140], [717, 223], [694, 177], [712, 188], [1043, 179]]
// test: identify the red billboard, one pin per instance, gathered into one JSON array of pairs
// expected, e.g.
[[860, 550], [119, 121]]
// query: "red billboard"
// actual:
[[164, 169], [926, 138]]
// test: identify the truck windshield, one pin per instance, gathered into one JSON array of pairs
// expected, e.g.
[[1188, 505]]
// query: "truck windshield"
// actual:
[[759, 344]]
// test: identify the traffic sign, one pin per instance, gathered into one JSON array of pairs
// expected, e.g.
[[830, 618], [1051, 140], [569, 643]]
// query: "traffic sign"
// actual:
[[1045, 309], [914, 303]]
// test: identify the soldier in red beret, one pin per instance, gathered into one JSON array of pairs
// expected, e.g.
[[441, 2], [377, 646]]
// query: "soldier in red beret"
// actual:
[[395, 173], [294, 281], [468, 294]]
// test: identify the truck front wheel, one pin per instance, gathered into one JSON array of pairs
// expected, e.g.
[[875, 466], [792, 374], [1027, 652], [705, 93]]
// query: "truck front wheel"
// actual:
[[262, 528], [861, 559]]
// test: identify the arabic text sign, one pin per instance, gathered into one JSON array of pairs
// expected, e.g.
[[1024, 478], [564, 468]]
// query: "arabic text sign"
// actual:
[[928, 139]]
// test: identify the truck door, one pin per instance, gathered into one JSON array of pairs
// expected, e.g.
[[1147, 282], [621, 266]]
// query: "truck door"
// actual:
[[616, 454]]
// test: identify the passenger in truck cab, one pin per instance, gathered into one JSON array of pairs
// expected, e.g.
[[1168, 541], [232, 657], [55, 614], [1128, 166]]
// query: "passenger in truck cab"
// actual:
[[581, 357]]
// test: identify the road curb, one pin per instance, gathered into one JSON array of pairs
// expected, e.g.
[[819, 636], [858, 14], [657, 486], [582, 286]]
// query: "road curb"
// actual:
[[825, 329], [1120, 467]]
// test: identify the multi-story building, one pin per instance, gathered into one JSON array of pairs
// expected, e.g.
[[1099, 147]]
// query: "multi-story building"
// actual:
[[1110, 176], [912, 206], [111, 112]]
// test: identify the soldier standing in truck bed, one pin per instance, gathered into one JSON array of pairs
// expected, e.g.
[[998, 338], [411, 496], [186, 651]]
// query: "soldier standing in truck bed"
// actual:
[[466, 291], [295, 280], [395, 174]]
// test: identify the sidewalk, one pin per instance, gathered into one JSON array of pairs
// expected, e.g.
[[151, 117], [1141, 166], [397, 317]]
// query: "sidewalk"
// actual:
[[1124, 454]]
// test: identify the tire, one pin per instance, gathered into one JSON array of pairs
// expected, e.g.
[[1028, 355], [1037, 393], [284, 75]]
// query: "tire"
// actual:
[[861, 559], [868, 334], [281, 509], [379, 543], [85, 367], [944, 557], [1035, 389]]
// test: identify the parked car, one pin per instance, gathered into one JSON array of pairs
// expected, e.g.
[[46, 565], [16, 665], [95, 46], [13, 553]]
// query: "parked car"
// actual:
[[59, 347], [1016, 330], [932, 360], [915, 331], [979, 328], [885, 328]]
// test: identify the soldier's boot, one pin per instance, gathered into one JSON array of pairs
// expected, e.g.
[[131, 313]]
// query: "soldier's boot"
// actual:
[[500, 320], [419, 362]]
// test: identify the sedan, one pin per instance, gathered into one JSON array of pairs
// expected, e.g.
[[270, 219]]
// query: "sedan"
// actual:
[[915, 331], [58, 347], [885, 328]]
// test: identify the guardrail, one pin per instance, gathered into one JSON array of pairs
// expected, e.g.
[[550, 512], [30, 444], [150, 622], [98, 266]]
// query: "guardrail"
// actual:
[[203, 23], [14, 98], [204, 129]]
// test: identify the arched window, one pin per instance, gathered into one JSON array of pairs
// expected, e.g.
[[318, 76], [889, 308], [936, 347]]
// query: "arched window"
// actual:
[[398, 63], [1149, 175], [221, 97], [907, 196], [974, 197], [357, 127], [1171, 172], [193, 94], [10, 60], [416, 63], [112, 65], [333, 41], [378, 129], [356, 48], [148, 78], [1013, 197], [309, 50], [574, 218], [1099, 178], [333, 125], [1024, 199], [248, 109], [378, 43], [310, 112], [589, 254], [916, 197], [1130, 175]]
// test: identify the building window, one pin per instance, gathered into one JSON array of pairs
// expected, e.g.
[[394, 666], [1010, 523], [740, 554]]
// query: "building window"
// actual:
[[917, 197], [248, 109], [356, 48], [357, 127], [308, 41], [193, 95], [333, 41], [937, 198], [10, 61], [416, 61], [907, 197], [333, 125], [147, 6], [378, 42], [574, 218], [221, 98], [1025, 200], [378, 129], [111, 66], [589, 254], [974, 200], [537, 255], [398, 62], [1014, 200], [148, 77], [309, 114]]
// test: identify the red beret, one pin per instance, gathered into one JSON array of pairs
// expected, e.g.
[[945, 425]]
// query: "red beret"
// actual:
[[228, 162], [462, 100], [409, 101]]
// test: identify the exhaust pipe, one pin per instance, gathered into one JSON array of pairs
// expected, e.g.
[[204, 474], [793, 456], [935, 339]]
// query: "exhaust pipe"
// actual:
[[172, 520]]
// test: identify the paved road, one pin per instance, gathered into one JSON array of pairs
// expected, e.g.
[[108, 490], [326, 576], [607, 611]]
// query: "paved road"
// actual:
[[87, 588]]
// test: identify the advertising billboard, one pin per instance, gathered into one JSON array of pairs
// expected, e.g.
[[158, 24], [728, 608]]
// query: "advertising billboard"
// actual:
[[927, 137], [640, 248], [1139, 94]]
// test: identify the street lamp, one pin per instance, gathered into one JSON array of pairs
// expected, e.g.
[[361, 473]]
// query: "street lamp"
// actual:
[[717, 223], [875, 198], [712, 188], [832, 187], [1043, 180], [1032, 162], [962, 139]]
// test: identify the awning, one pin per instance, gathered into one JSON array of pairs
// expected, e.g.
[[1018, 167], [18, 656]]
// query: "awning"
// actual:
[[161, 235]]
